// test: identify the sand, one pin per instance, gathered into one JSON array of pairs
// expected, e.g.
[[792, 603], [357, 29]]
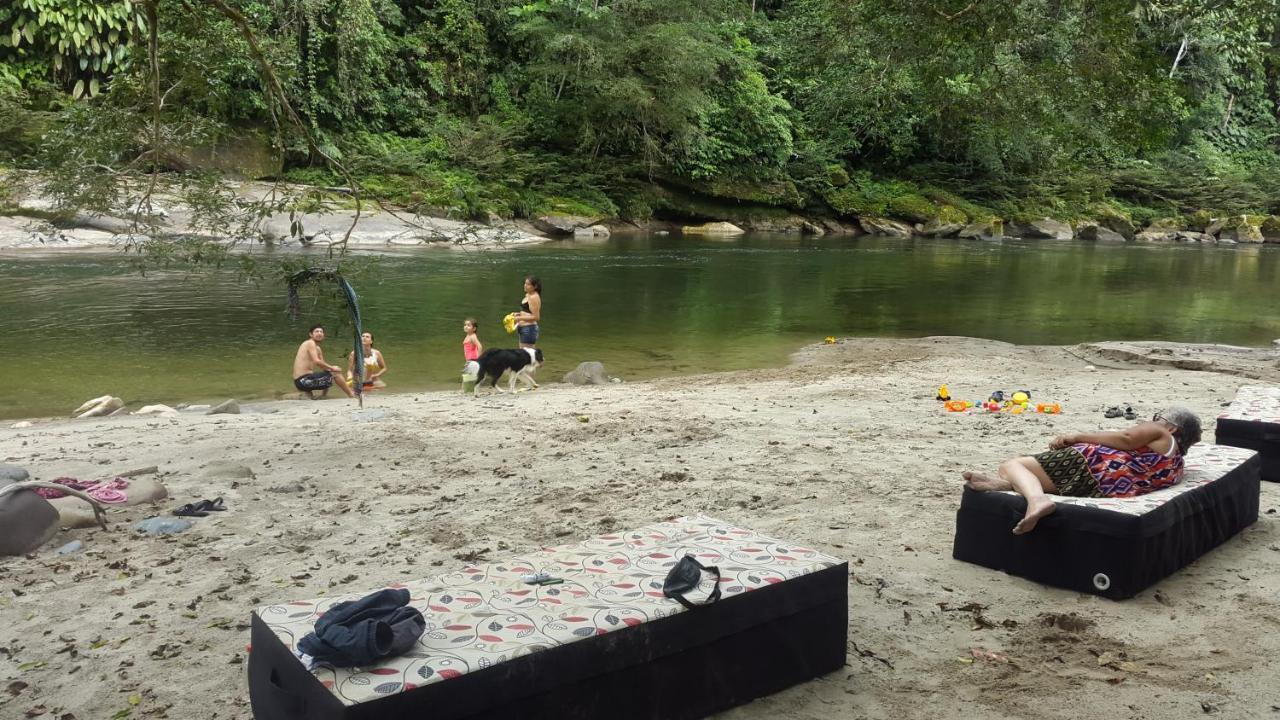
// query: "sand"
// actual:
[[845, 450]]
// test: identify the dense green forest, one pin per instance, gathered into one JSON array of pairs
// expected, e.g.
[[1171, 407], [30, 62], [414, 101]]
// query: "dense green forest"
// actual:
[[963, 110]]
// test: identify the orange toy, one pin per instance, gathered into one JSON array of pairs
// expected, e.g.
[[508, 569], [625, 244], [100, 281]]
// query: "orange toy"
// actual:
[[1051, 408], [956, 405]]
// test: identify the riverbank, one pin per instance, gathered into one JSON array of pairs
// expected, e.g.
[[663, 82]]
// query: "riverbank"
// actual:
[[845, 450], [274, 214], [295, 215]]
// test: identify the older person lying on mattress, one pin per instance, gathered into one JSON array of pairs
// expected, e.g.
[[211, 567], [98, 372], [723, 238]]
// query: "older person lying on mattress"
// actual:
[[1124, 463]]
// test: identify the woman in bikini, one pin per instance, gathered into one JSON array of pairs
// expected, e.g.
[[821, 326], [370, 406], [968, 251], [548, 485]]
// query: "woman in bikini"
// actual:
[[374, 364], [1124, 463], [530, 312]]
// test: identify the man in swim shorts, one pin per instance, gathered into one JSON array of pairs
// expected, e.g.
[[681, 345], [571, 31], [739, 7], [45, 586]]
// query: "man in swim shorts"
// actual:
[[311, 372]]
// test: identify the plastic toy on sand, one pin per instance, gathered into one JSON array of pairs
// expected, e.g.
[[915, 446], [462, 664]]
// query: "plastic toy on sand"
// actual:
[[1051, 408]]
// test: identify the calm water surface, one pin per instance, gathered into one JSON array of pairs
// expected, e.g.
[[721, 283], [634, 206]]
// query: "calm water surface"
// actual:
[[75, 326]]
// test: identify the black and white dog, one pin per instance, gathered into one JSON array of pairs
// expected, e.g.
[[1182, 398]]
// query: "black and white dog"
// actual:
[[521, 363]]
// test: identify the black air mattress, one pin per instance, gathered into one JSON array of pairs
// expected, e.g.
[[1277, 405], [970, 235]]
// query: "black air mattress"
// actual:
[[1253, 421], [1115, 547], [605, 643]]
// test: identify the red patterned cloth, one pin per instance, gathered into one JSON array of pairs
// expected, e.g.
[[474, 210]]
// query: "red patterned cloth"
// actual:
[[1127, 473]]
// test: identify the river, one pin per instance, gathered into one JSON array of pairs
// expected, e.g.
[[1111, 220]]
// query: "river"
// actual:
[[76, 325]]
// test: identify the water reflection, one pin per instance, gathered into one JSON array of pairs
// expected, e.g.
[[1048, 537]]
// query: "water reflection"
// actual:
[[76, 326]]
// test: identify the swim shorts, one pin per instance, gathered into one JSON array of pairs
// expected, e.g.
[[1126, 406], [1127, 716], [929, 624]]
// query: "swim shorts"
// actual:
[[528, 334], [322, 380]]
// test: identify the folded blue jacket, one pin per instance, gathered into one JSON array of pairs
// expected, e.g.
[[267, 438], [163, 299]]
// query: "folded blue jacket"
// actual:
[[362, 632]]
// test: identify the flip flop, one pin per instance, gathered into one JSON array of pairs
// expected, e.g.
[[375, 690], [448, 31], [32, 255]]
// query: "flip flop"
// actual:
[[1113, 412], [214, 505], [1129, 414], [191, 510]]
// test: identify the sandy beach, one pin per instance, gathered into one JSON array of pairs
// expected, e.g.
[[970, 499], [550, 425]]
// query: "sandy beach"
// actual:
[[845, 450]]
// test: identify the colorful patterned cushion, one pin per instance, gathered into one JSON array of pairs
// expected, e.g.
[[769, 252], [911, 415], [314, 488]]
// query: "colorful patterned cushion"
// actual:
[[485, 614], [1205, 463], [1255, 402]]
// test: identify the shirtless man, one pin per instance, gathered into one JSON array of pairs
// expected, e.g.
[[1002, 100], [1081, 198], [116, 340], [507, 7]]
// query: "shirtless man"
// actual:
[[311, 372]]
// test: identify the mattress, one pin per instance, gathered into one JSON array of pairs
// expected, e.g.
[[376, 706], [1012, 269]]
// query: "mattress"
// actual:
[[604, 643], [1253, 421], [1116, 547]]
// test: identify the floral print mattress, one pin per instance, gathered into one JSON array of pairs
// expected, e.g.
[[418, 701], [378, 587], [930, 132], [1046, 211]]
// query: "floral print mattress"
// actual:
[[1255, 402], [485, 614], [1205, 463]]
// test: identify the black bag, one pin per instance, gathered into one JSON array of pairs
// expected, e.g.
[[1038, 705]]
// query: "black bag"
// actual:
[[685, 576]]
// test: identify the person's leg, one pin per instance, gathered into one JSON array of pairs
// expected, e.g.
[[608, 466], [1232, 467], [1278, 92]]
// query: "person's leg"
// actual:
[[981, 481], [341, 381], [1029, 480]]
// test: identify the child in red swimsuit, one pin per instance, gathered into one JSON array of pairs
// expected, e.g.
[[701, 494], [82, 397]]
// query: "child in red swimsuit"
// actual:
[[471, 347]]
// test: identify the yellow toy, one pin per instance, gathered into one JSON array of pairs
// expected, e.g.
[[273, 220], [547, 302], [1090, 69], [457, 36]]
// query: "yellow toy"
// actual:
[[509, 323], [943, 394], [1022, 397], [830, 340]]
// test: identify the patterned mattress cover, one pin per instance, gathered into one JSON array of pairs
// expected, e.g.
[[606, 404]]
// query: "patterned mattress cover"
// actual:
[[1205, 463], [485, 614], [1255, 402]]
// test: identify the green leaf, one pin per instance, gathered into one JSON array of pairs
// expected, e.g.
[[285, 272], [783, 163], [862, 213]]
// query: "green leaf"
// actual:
[[78, 90], [93, 87]]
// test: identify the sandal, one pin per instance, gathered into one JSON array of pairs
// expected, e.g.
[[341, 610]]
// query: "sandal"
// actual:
[[1129, 414], [1113, 412], [214, 505], [191, 510]]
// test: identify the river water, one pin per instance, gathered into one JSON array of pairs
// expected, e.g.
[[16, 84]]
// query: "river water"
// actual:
[[76, 326]]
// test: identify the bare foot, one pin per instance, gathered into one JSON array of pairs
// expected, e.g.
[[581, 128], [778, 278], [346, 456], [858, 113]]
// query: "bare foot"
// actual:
[[1036, 509], [984, 482]]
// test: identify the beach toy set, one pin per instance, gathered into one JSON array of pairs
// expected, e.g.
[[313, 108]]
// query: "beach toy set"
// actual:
[[1014, 403]]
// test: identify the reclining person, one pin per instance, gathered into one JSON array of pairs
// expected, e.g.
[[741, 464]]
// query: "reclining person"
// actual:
[[1124, 463]]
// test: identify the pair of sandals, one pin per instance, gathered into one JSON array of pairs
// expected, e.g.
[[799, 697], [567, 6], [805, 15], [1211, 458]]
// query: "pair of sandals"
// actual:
[[1114, 412], [200, 509]]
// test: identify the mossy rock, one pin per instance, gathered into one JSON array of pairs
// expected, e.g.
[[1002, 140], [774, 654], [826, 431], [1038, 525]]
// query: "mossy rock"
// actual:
[[850, 201], [1167, 224], [971, 211], [1271, 225], [837, 176], [776, 191], [916, 208], [1199, 220]]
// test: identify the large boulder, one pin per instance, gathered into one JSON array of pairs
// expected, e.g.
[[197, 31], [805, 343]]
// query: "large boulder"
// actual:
[[1155, 236], [592, 231], [1192, 236], [1271, 229], [1093, 232], [1044, 229], [557, 224], [1167, 224], [881, 226], [27, 521], [1241, 230], [98, 407], [587, 373], [722, 229], [835, 227], [938, 228], [990, 230]]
